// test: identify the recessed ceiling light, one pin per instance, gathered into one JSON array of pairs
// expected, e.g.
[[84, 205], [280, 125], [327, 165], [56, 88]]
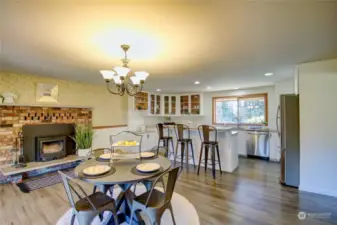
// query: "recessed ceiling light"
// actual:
[[158, 89], [208, 87], [268, 74], [196, 82]]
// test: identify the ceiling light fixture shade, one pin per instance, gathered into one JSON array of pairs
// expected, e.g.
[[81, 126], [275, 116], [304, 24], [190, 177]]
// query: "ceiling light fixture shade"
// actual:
[[135, 80], [122, 71], [196, 82], [107, 74], [117, 80], [124, 79], [142, 75]]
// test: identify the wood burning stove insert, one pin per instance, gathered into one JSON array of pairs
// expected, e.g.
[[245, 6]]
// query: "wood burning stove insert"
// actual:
[[50, 148]]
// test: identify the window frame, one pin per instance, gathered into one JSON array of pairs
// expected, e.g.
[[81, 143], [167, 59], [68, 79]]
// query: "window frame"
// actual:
[[238, 97]]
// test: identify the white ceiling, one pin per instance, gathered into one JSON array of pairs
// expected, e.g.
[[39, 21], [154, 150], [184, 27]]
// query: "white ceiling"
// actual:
[[224, 44]]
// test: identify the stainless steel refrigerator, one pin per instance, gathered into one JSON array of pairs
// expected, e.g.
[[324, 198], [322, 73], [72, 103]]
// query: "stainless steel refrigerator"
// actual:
[[288, 127]]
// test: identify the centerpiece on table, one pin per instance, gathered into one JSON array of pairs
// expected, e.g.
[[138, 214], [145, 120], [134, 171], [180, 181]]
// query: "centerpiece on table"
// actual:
[[83, 138]]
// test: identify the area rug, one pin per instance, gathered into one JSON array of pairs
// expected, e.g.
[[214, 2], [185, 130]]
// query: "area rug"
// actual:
[[184, 211], [43, 181]]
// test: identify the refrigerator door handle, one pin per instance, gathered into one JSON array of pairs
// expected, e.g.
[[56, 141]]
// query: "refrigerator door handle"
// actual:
[[277, 121], [283, 125]]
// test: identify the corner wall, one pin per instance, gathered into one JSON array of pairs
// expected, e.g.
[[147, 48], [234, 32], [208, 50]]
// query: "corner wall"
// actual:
[[318, 126]]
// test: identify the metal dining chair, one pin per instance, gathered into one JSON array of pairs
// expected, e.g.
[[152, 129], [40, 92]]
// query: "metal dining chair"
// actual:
[[155, 202], [88, 206]]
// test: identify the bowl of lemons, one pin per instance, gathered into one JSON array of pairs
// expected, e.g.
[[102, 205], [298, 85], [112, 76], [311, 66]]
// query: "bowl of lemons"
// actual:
[[127, 143]]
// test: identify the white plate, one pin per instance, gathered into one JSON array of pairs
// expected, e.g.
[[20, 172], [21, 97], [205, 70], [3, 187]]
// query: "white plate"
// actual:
[[147, 154], [148, 167], [105, 156], [96, 170]]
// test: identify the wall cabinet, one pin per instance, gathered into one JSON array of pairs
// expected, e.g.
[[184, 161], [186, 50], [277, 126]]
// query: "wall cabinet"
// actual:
[[141, 101], [191, 104], [154, 103], [170, 104]]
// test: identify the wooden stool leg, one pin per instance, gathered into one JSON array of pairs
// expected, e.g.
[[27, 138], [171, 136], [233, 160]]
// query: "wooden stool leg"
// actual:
[[192, 150], [217, 150], [200, 156], [213, 161], [206, 157]]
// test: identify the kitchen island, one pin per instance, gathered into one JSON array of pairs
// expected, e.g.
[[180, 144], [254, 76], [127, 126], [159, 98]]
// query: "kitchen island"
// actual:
[[227, 138]]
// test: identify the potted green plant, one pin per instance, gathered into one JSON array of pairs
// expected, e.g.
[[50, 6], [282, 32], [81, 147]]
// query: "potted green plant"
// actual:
[[83, 138]]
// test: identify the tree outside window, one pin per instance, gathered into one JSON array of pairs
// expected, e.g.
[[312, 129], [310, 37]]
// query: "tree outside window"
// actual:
[[248, 109]]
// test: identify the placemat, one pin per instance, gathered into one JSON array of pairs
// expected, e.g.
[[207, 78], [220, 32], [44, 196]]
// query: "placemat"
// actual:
[[82, 175], [138, 173]]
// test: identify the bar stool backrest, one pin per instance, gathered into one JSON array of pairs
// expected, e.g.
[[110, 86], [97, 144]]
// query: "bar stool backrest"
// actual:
[[208, 133], [160, 130], [181, 130]]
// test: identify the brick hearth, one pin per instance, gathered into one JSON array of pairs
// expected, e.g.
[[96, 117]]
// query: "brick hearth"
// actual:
[[12, 118]]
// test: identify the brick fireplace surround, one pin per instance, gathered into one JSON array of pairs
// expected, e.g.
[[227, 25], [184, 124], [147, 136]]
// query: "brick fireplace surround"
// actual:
[[13, 118]]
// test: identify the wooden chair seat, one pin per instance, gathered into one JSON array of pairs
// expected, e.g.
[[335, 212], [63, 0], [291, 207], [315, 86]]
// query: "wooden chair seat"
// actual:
[[156, 199], [98, 199]]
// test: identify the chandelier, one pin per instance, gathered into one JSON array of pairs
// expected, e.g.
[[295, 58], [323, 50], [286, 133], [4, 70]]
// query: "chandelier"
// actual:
[[122, 79]]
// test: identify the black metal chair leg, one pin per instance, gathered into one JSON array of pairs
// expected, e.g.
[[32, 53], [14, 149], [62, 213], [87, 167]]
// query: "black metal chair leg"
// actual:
[[176, 153], [186, 152], [172, 145], [200, 156], [192, 154], [218, 153], [182, 147], [206, 157], [213, 161]]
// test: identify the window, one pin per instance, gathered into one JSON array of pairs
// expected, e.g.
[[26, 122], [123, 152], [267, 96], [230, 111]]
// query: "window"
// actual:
[[247, 109]]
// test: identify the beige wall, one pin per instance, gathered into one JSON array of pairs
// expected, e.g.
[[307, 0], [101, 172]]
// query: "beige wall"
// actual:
[[107, 109]]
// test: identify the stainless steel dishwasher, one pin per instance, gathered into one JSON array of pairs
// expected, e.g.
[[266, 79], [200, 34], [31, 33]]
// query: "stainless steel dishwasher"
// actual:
[[258, 144]]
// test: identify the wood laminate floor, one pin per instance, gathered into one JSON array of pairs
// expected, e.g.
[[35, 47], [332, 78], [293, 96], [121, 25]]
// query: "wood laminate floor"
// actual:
[[251, 195]]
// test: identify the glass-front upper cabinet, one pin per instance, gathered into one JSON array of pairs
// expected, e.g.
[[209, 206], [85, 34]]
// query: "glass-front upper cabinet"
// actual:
[[195, 104], [157, 104], [141, 101], [173, 105], [154, 104], [170, 104], [191, 104], [166, 105], [184, 104]]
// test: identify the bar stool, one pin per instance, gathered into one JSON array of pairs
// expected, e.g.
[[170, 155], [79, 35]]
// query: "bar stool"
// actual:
[[165, 139], [185, 141], [213, 145]]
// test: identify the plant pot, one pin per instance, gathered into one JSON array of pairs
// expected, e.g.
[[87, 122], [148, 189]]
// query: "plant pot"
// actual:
[[83, 152]]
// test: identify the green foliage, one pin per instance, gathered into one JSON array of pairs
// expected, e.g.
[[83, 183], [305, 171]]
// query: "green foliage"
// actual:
[[83, 136]]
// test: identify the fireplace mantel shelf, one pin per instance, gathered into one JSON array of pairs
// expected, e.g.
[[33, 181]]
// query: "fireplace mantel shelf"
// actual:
[[9, 171], [47, 106]]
